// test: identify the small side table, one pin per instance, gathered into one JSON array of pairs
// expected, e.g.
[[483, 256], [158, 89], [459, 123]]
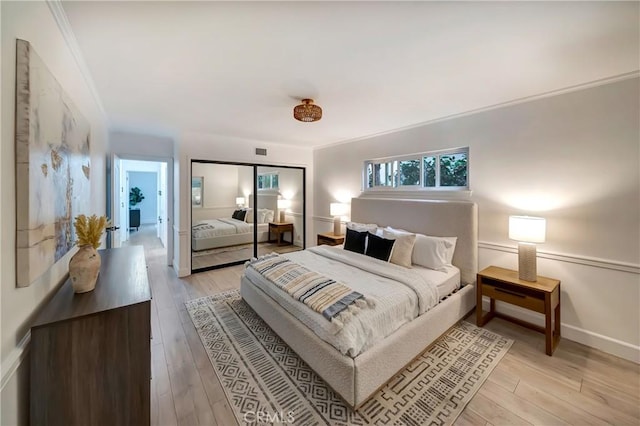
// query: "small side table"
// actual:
[[541, 296], [279, 228], [330, 239]]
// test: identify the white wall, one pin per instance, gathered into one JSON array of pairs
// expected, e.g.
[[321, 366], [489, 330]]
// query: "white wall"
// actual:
[[141, 145], [220, 189], [572, 158], [148, 184], [207, 147], [34, 22]]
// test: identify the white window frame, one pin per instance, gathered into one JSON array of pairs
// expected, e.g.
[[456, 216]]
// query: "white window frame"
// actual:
[[270, 187], [420, 158]]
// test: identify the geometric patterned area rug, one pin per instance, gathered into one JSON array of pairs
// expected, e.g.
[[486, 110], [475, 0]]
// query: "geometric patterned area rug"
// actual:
[[266, 382]]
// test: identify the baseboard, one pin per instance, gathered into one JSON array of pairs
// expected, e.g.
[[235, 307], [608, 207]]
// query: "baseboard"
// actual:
[[14, 359], [598, 341], [180, 272]]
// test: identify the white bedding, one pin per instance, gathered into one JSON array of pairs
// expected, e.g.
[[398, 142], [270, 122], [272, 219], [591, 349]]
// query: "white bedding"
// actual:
[[218, 227], [400, 295]]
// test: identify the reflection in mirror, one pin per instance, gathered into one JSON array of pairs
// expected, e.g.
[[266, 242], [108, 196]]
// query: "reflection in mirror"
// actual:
[[230, 217], [281, 200], [221, 232], [196, 191]]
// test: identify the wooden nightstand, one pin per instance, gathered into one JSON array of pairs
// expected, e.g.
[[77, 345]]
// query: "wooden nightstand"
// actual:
[[279, 228], [541, 296], [330, 239]]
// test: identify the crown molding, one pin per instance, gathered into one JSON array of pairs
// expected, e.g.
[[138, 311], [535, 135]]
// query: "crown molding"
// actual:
[[513, 102], [60, 16]]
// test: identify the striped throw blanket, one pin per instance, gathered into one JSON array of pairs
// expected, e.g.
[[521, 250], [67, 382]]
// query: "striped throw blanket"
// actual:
[[334, 300]]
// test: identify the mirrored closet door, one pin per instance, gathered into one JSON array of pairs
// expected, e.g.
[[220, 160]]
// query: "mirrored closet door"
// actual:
[[239, 211]]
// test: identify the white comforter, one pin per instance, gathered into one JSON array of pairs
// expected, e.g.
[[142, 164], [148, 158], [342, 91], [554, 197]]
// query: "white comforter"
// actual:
[[400, 295], [218, 227]]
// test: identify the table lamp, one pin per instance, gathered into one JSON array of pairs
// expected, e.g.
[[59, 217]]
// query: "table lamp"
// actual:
[[337, 210], [240, 201], [282, 205], [528, 231]]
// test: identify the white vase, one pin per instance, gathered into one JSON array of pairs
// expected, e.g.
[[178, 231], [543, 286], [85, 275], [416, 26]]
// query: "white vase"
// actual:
[[84, 268]]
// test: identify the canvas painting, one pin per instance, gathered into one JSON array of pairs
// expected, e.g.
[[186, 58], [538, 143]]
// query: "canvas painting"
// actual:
[[52, 167]]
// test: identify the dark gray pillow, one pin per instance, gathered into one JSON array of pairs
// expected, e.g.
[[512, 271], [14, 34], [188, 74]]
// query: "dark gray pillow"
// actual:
[[379, 247], [239, 214], [355, 241]]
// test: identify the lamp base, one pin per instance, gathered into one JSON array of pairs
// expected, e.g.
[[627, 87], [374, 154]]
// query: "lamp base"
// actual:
[[527, 258], [336, 225], [281, 216]]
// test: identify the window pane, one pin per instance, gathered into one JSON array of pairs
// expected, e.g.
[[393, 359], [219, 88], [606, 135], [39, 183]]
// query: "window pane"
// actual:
[[260, 181], [453, 170], [274, 181], [408, 172], [369, 175], [382, 174], [429, 171]]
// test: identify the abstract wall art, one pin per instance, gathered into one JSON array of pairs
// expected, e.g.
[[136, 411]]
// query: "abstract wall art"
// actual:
[[52, 167]]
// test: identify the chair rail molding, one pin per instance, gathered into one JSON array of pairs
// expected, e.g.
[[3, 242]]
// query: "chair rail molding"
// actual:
[[595, 262]]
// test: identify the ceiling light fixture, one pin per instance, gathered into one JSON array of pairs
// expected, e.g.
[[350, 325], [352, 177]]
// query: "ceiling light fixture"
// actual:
[[307, 111]]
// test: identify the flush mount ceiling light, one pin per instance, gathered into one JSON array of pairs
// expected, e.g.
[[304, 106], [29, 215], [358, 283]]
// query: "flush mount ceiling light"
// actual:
[[307, 111]]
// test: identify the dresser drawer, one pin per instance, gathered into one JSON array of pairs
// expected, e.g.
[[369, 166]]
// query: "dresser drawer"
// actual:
[[514, 295]]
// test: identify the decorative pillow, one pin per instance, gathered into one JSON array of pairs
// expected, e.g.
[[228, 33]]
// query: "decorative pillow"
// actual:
[[355, 241], [249, 216], [378, 247], [451, 248], [403, 247], [268, 216], [236, 214], [433, 252], [241, 215], [362, 227]]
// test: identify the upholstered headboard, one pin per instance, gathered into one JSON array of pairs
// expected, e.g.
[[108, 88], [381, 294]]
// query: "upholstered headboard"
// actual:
[[438, 218]]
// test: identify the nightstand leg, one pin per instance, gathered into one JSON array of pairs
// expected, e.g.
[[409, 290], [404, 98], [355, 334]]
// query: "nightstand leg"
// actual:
[[548, 332]]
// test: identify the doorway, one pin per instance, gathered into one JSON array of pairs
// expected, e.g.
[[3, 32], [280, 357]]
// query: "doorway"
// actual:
[[141, 195]]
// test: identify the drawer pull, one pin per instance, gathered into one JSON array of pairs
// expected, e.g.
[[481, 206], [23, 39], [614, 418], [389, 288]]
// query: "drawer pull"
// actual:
[[513, 293]]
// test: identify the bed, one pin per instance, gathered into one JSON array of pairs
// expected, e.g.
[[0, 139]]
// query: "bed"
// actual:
[[215, 227], [357, 370], [223, 232]]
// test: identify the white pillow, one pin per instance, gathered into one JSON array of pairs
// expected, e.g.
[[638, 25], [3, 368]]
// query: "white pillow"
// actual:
[[402, 248], [268, 216], [361, 227], [433, 252], [249, 216]]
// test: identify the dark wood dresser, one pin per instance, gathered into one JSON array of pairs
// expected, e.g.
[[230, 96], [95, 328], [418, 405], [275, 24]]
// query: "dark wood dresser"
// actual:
[[91, 352]]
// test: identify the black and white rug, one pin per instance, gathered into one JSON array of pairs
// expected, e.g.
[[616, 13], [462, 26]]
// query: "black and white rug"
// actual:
[[267, 383]]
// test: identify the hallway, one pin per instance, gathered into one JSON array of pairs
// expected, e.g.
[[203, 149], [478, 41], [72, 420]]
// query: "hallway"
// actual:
[[184, 387]]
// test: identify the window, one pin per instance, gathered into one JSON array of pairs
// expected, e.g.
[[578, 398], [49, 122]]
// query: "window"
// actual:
[[439, 170], [268, 181]]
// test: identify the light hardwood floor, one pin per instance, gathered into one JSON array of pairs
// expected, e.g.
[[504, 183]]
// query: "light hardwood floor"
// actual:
[[578, 385]]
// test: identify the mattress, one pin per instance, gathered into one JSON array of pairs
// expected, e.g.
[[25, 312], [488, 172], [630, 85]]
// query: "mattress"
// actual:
[[220, 227], [396, 303]]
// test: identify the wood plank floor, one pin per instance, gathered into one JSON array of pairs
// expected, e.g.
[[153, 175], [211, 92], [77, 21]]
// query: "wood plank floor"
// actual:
[[578, 385]]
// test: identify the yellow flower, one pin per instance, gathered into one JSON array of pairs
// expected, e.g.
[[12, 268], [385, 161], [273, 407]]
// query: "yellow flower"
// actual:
[[89, 229]]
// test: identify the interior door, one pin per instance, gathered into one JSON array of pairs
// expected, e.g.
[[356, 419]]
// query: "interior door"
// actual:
[[281, 190], [115, 214], [162, 204], [223, 227]]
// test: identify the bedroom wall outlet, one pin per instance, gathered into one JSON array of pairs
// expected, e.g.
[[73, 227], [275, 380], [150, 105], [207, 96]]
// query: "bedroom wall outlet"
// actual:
[[261, 151]]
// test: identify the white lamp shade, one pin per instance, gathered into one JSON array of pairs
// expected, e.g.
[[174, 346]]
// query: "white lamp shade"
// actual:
[[284, 204], [338, 209], [239, 200], [527, 229]]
